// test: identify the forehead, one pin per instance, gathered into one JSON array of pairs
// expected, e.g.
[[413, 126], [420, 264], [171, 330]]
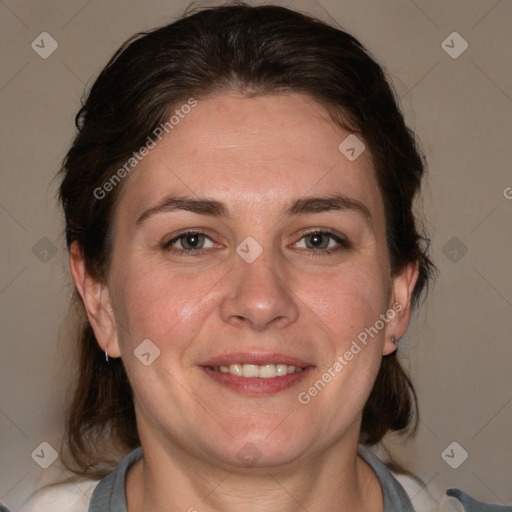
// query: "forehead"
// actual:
[[252, 154]]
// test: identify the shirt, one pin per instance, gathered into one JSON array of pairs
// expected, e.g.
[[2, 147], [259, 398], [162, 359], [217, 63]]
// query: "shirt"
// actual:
[[108, 495]]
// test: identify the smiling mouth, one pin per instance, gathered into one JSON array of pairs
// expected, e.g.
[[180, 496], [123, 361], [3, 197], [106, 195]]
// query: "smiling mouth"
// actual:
[[253, 371], [257, 380]]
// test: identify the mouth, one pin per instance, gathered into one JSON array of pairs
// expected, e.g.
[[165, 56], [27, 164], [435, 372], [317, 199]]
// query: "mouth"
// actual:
[[253, 371], [256, 375]]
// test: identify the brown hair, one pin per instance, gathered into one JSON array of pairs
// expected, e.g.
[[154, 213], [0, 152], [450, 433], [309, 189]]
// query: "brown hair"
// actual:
[[257, 51]]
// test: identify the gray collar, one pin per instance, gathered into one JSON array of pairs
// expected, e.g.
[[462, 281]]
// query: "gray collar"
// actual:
[[394, 496], [109, 494]]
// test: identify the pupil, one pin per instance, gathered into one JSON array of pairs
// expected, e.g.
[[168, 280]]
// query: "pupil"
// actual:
[[316, 240], [192, 240]]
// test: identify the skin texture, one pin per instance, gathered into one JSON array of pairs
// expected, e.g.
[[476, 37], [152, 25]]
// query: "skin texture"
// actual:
[[257, 156]]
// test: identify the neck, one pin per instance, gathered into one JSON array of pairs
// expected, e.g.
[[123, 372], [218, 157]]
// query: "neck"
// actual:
[[337, 480]]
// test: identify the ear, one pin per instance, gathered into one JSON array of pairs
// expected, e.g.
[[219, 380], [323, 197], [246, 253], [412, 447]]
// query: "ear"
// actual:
[[96, 299], [402, 287]]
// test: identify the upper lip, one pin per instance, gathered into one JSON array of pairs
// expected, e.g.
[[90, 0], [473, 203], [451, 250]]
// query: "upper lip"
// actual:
[[255, 358]]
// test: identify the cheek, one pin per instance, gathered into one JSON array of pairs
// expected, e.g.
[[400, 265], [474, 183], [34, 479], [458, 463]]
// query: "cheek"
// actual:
[[155, 300], [346, 307], [165, 306], [348, 301]]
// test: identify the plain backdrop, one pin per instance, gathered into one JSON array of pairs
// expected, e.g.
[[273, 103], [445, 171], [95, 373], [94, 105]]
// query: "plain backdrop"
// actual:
[[458, 348]]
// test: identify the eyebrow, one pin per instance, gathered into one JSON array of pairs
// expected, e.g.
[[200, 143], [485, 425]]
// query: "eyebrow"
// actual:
[[212, 208]]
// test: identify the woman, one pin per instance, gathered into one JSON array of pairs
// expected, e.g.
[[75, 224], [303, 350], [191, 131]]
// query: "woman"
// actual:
[[238, 204]]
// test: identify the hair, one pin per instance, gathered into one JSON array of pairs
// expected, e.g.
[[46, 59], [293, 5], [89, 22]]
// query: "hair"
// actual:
[[255, 51]]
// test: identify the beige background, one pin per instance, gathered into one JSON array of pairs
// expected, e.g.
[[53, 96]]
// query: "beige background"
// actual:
[[458, 349]]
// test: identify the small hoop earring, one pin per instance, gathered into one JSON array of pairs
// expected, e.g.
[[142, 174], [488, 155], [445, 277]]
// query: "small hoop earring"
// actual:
[[395, 340], [106, 354]]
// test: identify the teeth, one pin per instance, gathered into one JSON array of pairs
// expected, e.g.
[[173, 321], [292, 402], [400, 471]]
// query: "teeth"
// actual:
[[236, 369], [250, 370], [281, 369], [266, 371]]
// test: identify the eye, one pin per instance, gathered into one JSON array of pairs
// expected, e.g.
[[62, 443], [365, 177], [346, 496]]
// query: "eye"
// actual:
[[191, 241], [322, 242]]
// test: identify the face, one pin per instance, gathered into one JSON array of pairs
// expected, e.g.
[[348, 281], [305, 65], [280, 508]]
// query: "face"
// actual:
[[252, 254]]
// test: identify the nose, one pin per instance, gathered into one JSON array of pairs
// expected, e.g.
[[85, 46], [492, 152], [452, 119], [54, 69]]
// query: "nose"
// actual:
[[258, 297]]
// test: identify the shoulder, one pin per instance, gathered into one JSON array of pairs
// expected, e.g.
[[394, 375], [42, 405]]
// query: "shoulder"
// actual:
[[435, 500], [69, 496], [470, 504]]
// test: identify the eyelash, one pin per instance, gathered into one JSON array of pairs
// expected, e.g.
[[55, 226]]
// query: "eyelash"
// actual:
[[343, 244]]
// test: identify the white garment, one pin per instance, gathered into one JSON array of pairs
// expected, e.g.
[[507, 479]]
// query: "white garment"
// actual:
[[423, 501], [61, 497]]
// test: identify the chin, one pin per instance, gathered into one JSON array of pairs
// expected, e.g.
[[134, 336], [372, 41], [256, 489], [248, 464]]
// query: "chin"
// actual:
[[258, 447]]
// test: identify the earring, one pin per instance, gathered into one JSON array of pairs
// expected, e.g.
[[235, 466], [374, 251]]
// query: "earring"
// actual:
[[395, 340], [106, 354]]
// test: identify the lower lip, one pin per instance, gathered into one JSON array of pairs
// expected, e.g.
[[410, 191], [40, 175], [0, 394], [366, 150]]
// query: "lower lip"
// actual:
[[257, 386]]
